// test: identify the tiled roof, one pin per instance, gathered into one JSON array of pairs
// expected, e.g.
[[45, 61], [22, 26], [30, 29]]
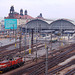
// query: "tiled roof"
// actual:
[[39, 18], [20, 16], [28, 17]]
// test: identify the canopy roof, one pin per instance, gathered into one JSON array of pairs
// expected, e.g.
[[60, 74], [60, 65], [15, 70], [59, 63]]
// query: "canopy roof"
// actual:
[[62, 24], [37, 24]]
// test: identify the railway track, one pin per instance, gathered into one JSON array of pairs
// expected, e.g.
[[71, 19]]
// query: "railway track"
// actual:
[[60, 68], [71, 72], [39, 68], [51, 62], [13, 52]]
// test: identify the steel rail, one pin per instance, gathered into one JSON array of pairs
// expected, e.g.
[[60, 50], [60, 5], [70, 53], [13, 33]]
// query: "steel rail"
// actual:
[[39, 71], [59, 56], [71, 72], [33, 67]]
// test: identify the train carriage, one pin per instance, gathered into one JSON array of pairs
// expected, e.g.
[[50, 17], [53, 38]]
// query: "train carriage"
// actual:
[[12, 63]]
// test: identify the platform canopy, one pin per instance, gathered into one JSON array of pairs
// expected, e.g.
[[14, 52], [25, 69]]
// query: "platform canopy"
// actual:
[[62, 25], [37, 24]]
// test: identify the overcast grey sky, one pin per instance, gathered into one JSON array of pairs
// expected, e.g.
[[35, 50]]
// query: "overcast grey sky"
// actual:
[[48, 8]]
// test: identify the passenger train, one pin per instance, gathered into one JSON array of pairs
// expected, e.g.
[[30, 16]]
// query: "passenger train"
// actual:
[[7, 65]]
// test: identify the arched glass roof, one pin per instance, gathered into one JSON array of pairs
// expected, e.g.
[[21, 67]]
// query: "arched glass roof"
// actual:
[[62, 24], [37, 23]]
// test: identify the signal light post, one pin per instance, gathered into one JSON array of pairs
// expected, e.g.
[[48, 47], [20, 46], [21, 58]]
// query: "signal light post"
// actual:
[[30, 44]]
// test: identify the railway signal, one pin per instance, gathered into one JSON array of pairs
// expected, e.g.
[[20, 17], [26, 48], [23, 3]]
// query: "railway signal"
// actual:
[[15, 38], [30, 44], [30, 51]]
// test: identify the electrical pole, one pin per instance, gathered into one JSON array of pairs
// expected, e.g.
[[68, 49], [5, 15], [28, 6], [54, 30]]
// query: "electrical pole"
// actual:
[[36, 49], [32, 41], [15, 38], [25, 40], [20, 40], [51, 41], [46, 73], [36, 31], [13, 30]]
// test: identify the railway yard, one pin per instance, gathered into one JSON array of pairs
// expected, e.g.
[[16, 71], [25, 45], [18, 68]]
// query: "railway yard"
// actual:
[[41, 44], [60, 60]]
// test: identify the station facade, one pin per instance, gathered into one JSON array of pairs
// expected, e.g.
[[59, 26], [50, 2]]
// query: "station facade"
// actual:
[[39, 22]]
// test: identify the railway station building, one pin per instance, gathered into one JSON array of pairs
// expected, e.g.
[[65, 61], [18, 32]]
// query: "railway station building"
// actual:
[[22, 19], [63, 26], [39, 23], [60, 25]]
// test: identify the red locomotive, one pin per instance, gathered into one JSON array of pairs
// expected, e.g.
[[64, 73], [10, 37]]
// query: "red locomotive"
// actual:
[[11, 63]]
